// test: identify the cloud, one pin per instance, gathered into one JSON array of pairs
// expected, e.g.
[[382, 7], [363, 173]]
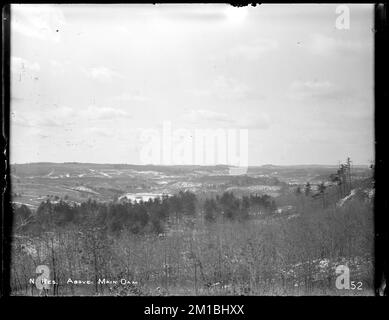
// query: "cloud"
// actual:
[[102, 132], [327, 46], [130, 96], [314, 90], [101, 73], [236, 14], [48, 122], [20, 65], [65, 116], [65, 112], [255, 121], [120, 29], [228, 88], [43, 22], [57, 67], [56, 117], [204, 13], [256, 49], [200, 115], [20, 120], [103, 113], [246, 121]]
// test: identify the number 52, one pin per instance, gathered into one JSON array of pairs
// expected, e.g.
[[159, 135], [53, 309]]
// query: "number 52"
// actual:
[[356, 286]]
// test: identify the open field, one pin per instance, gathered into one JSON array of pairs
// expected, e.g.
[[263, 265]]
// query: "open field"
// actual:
[[34, 183]]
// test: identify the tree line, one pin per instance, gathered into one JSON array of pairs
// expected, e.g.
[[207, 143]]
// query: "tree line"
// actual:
[[139, 217], [234, 208]]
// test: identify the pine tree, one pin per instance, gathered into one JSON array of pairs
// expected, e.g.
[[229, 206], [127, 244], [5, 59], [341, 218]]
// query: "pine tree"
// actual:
[[307, 189]]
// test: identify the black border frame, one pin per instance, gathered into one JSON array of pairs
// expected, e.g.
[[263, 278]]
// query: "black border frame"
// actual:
[[134, 306]]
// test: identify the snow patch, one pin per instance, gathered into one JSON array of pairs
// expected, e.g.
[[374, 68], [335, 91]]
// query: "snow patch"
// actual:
[[341, 202]]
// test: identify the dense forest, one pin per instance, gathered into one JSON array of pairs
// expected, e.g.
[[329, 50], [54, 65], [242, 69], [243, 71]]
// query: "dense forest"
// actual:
[[139, 217]]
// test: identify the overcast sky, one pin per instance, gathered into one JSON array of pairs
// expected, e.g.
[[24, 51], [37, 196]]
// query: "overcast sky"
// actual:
[[87, 78]]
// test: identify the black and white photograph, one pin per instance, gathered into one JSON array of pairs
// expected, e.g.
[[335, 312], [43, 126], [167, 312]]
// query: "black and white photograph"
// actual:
[[192, 150]]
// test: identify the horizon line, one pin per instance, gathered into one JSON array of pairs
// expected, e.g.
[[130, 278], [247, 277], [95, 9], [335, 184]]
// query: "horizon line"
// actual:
[[188, 165]]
